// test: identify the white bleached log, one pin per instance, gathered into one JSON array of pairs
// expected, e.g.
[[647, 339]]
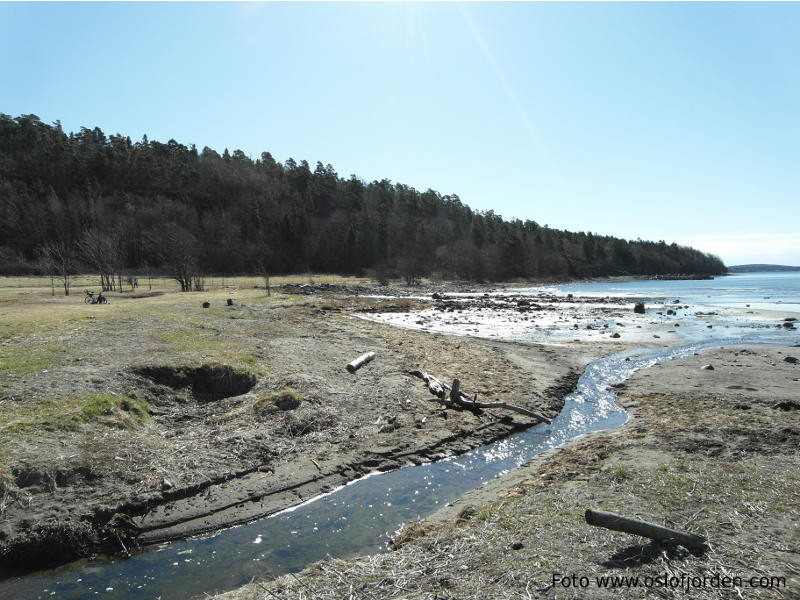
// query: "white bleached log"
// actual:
[[360, 362]]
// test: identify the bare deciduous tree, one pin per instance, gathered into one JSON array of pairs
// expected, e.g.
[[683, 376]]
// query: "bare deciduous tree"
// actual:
[[58, 259], [177, 250], [263, 260], [102, 251]]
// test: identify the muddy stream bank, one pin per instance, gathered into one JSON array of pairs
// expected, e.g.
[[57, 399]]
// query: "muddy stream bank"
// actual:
[[359, 517]]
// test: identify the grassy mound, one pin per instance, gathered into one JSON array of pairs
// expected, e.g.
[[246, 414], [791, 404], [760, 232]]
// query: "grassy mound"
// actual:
[[281, 400]]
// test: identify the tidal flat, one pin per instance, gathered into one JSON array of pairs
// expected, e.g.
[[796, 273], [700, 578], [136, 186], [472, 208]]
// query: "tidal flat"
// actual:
[[152, 419]]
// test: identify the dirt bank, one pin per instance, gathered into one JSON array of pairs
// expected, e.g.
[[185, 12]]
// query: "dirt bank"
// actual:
[[713, 452], [152, 418]]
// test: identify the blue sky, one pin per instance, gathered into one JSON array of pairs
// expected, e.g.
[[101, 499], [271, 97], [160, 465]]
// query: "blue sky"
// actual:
[[661, 121]]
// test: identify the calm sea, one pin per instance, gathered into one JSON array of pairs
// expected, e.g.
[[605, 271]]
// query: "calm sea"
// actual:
[[770, 291]]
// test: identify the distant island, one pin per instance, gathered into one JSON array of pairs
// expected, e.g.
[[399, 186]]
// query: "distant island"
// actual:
[[761, 268]]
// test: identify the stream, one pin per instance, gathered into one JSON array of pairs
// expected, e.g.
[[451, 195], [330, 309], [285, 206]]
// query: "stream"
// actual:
[[357, 518]]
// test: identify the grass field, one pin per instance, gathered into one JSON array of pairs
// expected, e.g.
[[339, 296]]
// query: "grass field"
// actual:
[[166, 284], [28, 307]]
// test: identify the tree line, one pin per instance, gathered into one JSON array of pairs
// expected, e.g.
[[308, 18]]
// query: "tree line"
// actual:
[[87, 200]]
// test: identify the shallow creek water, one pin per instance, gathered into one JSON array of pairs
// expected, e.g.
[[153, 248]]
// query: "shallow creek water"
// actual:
[[355, 519]]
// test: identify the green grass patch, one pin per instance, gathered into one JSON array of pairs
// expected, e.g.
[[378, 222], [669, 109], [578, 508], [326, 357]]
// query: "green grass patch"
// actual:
[[198, 345], [47, 323], [281, 400], [620, 473], [70, 412], [25, 360], [129, 410]]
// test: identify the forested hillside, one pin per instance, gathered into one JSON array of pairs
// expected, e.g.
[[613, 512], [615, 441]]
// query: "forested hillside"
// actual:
[[93, 201]]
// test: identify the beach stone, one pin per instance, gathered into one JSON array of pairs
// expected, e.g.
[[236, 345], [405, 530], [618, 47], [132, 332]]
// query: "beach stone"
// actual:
[[708, 367], [788, 405], [790, 359], [206, 304], [788, 325], [615, 335], [638, 308]]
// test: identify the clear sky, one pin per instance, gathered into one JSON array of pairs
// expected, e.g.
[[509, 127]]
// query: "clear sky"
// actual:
[[665, 121]]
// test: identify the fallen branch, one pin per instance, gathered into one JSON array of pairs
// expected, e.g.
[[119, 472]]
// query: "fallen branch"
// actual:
[[435, 387], [472, 404], [695, 543], [440, 389], [360, 362]]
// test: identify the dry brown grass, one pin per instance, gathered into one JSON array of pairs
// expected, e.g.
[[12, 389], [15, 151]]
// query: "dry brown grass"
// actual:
[[27, 306], [9, 492], [166, 284], [513, 547]]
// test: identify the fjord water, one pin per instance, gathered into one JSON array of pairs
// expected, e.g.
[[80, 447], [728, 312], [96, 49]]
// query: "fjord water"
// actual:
[[360, 517], [765, 291]]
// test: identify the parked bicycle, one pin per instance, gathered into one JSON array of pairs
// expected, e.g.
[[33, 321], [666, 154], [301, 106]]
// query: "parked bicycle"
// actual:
[[90, 298]]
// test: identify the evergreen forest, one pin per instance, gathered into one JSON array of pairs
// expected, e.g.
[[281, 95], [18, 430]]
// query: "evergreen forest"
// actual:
[[91, 202]]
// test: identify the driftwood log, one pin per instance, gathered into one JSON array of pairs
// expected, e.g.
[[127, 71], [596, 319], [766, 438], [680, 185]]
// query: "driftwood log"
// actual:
[[457, 397], [360, 362], [696, 544]]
